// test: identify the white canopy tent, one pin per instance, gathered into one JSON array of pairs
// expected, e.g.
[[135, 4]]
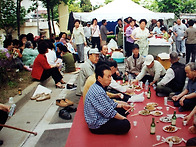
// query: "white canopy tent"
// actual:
[[122, 9]]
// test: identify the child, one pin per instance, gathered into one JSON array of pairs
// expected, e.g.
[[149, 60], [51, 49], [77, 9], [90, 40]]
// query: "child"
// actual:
[[171, 41], [165, 34]]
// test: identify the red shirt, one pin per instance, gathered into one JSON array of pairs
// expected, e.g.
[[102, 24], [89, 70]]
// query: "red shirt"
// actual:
[[40, 64]]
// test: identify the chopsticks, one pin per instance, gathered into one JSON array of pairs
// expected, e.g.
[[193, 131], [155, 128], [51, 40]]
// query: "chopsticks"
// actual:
[[171, 106], [159, 143], [130, 109], [134, 114]]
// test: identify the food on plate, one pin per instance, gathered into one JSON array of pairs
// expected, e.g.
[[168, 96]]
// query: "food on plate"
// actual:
[[159, 108], [157, 113], [153, 104], [170, 128], [165, 119], [174, 139], [150, 107], [144, 112]]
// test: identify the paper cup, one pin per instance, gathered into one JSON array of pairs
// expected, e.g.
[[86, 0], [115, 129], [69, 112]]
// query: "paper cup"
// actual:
[[165, 101], [167, 108], [158, 137], [184, 122], [134, 123]]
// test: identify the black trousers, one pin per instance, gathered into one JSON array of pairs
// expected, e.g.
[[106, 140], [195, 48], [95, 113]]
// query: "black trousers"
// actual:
[[189, 104], [190, 50], [54, 72], [3, 117], [96, 41], [114, 126], [128, 49], [191, 142]]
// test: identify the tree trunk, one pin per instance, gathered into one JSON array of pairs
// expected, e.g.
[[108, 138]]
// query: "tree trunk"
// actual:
[[18, 17], [48, 11], [53, 21]]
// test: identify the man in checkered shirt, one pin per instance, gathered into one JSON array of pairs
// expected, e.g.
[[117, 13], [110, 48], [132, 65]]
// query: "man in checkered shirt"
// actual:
[[103, 115]]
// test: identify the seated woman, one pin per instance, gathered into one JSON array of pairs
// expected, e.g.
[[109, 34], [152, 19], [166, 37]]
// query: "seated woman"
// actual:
[[103, 115], [42, 70], [29, 54], [133, 64], [68, 59]]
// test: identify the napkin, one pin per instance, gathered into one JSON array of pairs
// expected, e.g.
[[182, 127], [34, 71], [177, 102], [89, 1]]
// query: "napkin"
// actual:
[[137, 98], [177, 115], [41, 89]]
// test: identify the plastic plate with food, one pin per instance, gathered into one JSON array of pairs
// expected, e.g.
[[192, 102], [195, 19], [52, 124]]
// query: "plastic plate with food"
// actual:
[[150, 108], [165, 119], [153, 104], [174, 139], [170, 128], [144, 112], [157, 113]]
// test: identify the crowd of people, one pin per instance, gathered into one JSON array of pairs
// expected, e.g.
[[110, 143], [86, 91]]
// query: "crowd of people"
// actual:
[[105, 101]]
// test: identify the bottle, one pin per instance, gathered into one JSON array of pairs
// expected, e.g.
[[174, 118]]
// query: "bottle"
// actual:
[[12, 109], [173, 122], [146, 85], [152, 127], [149, 93], [19, 91], [124, 78]]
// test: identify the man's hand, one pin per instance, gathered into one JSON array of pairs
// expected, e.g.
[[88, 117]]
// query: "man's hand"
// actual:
[[187, 118], [129, 90], [182, 100], [175, 97], [4, 108], [85, 43]]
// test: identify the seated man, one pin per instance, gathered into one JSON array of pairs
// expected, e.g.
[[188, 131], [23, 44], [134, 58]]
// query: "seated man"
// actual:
[[192, 129], [101, 113], [133, 64], [174, 79], [91, 80], [104, 51], [3, 116], [87, 69], [186, 100], [151, 71]]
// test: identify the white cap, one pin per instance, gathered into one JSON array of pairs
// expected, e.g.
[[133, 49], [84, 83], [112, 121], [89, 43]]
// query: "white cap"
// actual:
[[148, 60], [94, 51]]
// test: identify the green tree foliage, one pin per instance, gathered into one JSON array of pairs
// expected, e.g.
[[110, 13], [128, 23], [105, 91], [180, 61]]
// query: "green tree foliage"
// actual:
[[8, 16], [136, 1], [177, 6], [189, 6], [86, 5], [107, 1]]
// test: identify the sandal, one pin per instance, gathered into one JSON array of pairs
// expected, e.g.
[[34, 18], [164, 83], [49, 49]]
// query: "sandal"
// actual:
[[60, 86], [63, 82]]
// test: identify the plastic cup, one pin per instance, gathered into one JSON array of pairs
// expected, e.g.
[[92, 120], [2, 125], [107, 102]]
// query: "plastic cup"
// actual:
[[165, 101], [134, 123], [170, 144], [11, 100], [167, 108], [158, 137], [184, 122]]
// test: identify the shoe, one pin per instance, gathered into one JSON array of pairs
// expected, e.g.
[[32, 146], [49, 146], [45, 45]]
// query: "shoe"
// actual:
[[64, 114], [60, 86], [69, 86], [1, 142], [70, 103], [61, 103], [37, 96], [183, 55], [161, 94], [80, 61], [43, 97], [180, 109], [70, 109]]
